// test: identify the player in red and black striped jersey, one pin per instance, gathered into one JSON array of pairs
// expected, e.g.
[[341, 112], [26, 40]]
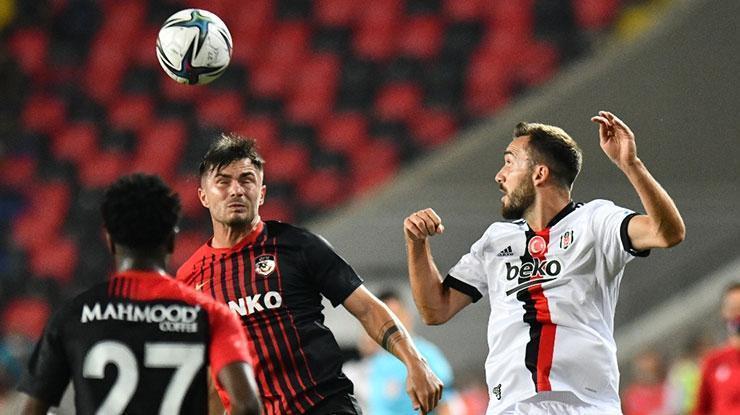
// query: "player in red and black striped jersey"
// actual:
[[274, 276], [140, 343]]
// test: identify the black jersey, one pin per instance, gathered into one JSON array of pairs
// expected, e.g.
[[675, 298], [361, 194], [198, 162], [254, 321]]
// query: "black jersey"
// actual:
[[275, 279], [137, 344]]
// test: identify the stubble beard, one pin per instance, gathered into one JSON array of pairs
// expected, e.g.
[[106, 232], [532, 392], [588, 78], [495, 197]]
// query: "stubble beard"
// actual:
[[520, 199]]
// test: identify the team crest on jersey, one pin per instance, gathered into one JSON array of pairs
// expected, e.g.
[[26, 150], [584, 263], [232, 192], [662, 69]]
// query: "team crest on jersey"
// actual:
[[497, 391], [537, 245], [566, 239], [264, 265]]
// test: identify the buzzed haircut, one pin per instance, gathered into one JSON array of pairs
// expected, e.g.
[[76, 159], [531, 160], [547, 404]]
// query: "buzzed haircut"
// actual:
[[140, 211], [553, 147], [227, 149]]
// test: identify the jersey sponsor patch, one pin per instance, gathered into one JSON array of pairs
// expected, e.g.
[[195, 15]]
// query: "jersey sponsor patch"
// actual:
[[264, 265]]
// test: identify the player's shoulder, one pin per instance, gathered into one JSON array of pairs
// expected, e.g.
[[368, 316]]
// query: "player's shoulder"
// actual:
[[502, 228], [189, 266], [719, 354], [288, 233]]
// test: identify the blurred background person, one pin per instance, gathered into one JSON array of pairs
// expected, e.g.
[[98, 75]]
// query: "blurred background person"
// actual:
[[646, 395], [387, 382], [684, 375], [719, 390]]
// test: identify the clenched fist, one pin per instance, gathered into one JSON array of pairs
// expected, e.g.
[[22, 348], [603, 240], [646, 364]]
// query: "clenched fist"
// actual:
[[422, 224]]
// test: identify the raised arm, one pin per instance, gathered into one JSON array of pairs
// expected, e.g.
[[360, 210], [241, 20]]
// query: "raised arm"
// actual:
[[436, 302], [422, 385], [662, 225]]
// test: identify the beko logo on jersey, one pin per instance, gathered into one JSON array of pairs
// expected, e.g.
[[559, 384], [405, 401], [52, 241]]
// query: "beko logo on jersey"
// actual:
[[173, 317], [254, 303], [542, 267]]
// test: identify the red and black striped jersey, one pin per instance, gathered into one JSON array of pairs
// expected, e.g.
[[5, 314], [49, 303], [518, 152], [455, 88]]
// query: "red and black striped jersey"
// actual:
[[137, 344], [275, 279]]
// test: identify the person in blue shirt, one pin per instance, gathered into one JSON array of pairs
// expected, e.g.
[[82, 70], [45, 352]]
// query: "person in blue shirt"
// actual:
[[387, 376]]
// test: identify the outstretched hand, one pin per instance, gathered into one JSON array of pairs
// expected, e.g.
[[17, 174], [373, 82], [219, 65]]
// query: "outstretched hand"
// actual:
[[616, 139]]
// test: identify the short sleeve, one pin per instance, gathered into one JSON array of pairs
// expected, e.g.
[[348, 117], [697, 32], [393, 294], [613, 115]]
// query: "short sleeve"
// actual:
[[610, 223], [48, 372], [228, 340], [334, 277], [468, 275]]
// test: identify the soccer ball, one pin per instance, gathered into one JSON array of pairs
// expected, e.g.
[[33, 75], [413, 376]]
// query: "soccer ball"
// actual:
[[194, 46]]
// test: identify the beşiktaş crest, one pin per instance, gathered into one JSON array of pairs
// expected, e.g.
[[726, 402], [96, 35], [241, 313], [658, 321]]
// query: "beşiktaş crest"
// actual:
[[264, 265]]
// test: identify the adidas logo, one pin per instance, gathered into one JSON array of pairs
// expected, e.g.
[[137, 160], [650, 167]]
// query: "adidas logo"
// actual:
[[506, 252]]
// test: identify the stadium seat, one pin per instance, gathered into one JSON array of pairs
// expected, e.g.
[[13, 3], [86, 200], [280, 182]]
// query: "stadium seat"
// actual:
[[431, 127], [160, 148], [43, 113], [375, 41], [421, 37], [56, 259], [336, 13], [540, 61], [313, 90], [103, 169], [249, 27], [373, 164], [131, 112], [277, 208], [285, 52], [398, 102], [26, 316], [219, 110], [264, 129], [343, 132], [321, 189], [76, 142], [30, 48], [467, 10], [187, 242], [511, 16], [16, 171], [594, 15], [187, 187], [48, 207], [291, 164]]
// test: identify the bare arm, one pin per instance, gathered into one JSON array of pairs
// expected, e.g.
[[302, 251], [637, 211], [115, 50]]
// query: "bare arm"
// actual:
[[238, 380], [422, 385], [662, 225], [435, 302], [34, 406]]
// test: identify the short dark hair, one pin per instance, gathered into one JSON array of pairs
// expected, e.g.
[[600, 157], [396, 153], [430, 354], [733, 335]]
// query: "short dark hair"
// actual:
[[552, 146], [140, 211], [229, 147], [735, 285]]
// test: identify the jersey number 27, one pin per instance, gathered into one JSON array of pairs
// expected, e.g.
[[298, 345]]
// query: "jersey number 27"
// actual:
[[186, 359]]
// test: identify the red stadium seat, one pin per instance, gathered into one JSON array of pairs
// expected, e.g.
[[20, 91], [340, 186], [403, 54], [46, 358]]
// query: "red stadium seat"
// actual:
[[314, 89], [132, 112], [421, 37], [539, 63], [220, 109], [55, 259], [593, 15], [287, 49], [373, 164], [45, 216], [26, 316], [468, 10], [336, 13], [43, 114], [177, 92], [344, 132], [375, 41], [30, 48], [144, 57], [160, 148], [290, 164], [107, 64], [187, 188], [512, 16], [76, 143], [263, 129], [398, 101], [488, 85], [277, 208], [322, 189], [432, 127], [103, 169], [249, 27], [16, 171]]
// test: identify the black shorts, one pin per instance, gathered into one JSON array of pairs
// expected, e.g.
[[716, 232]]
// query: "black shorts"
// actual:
[[341, 404]]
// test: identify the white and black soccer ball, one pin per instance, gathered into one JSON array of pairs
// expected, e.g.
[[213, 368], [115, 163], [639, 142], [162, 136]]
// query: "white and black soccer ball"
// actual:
[[194, 46]]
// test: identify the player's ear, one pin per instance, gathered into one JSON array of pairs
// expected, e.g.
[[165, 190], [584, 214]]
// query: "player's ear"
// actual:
[[540, 173], [263, 193], [202, 197], [109, 242]]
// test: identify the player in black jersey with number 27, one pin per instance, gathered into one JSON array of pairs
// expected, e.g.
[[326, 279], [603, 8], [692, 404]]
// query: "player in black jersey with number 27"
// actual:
[[142, 342], [273, 275]]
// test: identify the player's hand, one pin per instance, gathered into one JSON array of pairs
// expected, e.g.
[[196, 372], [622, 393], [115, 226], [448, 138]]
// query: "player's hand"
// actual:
[[422, 224], [616, 139], [423, 386]]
